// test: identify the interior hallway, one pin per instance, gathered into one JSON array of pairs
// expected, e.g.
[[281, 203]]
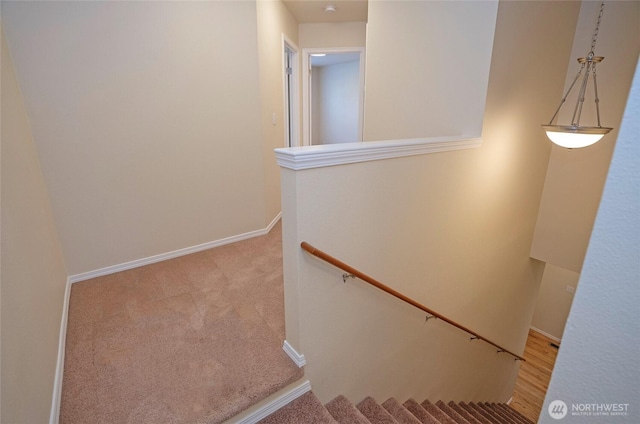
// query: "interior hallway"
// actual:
[[534, 375]]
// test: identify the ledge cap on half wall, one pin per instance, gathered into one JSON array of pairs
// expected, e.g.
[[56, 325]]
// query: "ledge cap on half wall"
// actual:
[[307, 157]]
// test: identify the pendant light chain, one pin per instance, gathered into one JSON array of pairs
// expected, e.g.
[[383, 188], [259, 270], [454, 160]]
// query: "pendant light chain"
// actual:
[[595, 33], [593, 47]]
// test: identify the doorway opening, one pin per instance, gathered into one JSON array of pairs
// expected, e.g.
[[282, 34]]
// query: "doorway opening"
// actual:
[[291, 84], [333, 95]]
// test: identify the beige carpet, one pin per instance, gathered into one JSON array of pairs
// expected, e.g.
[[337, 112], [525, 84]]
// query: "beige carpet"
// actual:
[[190, 340]]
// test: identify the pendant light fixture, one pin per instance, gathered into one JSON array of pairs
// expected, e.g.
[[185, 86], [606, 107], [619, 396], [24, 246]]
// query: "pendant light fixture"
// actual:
[[575, 135]]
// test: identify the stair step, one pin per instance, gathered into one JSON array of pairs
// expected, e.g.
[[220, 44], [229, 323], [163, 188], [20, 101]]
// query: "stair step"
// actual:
[[305, 409], [498, 413], [471, 411], [521, 418], [344, 412], [455, 416], [488, 414], [374, 412], [437, 412], [420, 413], [399, 412]]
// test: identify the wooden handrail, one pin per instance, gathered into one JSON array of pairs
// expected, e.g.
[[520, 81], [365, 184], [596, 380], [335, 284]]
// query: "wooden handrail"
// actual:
[[364, 277]]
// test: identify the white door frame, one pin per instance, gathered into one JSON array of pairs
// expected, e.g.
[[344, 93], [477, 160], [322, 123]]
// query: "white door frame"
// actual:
[[306, 89], [291, 129]]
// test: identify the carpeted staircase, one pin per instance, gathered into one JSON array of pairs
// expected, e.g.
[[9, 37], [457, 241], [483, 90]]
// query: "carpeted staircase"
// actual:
[[307, 409]]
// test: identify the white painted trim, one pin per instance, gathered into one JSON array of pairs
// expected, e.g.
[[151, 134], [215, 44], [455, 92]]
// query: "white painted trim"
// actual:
[[510, 400], [296, 357], [282, 400], [537, 330], [295, 94], [57, 381], [306, 157], [170, 255]]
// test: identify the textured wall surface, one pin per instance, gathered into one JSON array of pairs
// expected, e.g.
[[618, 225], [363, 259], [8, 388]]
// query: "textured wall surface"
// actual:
[[597, 363]]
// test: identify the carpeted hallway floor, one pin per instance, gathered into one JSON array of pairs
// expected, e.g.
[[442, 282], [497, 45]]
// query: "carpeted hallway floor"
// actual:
[[180, 341]]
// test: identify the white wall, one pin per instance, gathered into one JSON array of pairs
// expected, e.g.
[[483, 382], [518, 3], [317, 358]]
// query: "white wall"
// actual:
[[338, 103], [575, 178], [343, 34], [146, 117], [597, 362], [554, 300], [452, 230], [427, 68], [33, 274], [274, 21]]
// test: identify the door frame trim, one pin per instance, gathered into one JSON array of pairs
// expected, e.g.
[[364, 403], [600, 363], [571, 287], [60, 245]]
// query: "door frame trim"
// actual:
[[295, 94], [306, 94]]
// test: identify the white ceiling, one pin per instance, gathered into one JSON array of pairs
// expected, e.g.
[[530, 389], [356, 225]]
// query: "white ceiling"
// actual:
[[334, 59], [312, 11]]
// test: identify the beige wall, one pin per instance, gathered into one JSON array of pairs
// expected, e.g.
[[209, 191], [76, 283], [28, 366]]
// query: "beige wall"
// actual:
[[453, 230], [343, 34], [575, 178], [427, 68], [274, 20], [554, 300], [33, 273], [146, 116]]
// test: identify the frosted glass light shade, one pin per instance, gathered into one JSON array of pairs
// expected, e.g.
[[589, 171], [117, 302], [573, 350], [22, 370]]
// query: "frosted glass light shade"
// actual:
[[574, 137]]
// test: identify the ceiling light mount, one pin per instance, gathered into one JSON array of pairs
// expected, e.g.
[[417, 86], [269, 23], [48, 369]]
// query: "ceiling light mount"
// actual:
[[575, 135], [330, 8]]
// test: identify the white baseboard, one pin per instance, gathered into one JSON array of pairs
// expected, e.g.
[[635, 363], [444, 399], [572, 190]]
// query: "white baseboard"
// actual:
[[57, 381], [281, 399], [57, 384], [170, 255], [537, 330], [296, 357]]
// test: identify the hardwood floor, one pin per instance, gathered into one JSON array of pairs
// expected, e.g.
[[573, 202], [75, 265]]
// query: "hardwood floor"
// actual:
[[534, 375]]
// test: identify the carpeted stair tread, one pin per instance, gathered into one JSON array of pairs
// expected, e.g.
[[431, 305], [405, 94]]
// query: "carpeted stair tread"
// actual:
[[374, 412], [437, 412], [498, 413], [478, 416], [306, 409], [490, 414], [344, 412], [484, 413], [419, 412], [455, 416], [464, 413], [517, 415], [399, 412]]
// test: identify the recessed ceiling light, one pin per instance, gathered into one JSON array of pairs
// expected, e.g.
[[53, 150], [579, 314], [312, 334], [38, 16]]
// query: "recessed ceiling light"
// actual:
[[330, 8]]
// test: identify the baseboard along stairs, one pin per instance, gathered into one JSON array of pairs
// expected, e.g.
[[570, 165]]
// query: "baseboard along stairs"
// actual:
[[308, 409]]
